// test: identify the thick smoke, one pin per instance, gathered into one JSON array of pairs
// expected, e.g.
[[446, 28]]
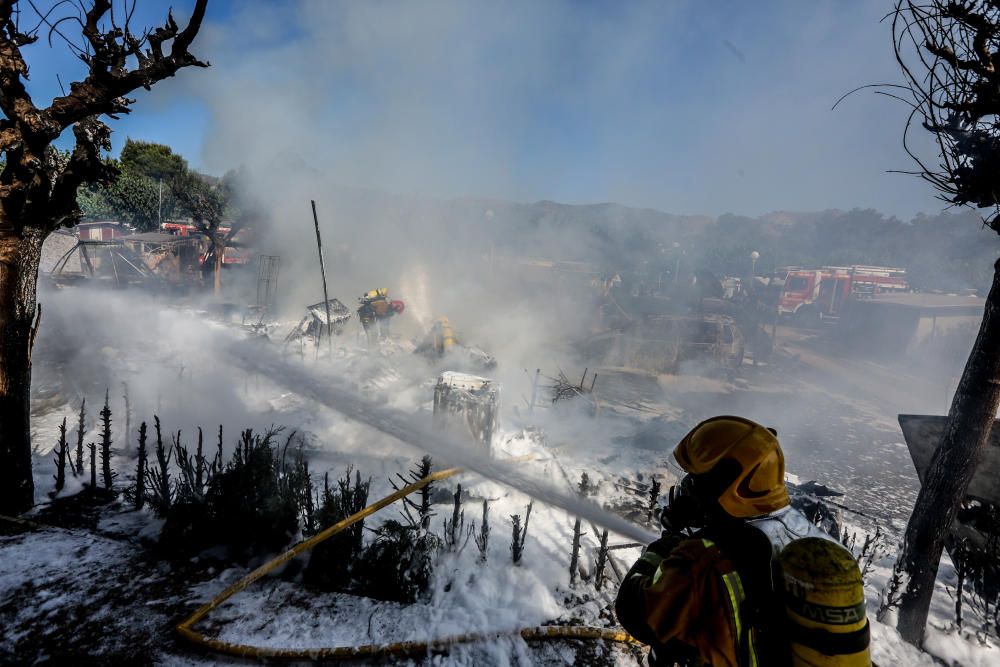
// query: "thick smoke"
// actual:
[[347, 103], [409, 124]]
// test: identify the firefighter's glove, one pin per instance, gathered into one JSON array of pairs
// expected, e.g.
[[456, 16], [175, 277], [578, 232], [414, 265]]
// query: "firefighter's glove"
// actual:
[[653, 555], [683, 511], [664, 545]]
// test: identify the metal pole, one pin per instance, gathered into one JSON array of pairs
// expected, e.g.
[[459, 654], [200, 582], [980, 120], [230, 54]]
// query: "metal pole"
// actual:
[[322, 270], [159, 208]]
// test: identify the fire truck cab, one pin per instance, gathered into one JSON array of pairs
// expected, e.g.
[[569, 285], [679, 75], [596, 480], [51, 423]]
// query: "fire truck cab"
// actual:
[[812, 295]]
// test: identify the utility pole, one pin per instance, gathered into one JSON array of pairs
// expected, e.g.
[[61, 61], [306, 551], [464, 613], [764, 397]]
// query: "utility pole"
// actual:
[[322, 270], [159, 208]]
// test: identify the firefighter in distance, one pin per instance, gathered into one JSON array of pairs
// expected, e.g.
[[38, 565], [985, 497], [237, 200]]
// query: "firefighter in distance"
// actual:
[[375, 312]]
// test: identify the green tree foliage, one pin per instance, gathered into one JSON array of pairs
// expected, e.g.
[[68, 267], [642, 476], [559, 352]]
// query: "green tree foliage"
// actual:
[[154, 161], [205, 200], [131, 197], [152, 184], [93, 204], [136, 200]]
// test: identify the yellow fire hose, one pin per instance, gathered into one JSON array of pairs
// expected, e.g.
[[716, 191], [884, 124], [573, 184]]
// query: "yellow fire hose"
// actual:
[[186, 627]]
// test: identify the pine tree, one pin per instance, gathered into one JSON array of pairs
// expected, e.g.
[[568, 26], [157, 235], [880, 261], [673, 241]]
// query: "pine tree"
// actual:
[[654, 496], [93, 466], [309, 509], [602, 561], [200, 466], [454, 527], [140, 469], [159, 477], [574, 560], [422, 508], [217, 461], [128, 414], [483, 536], [519, 534], [108, 474], [61, 456], [80, 428]]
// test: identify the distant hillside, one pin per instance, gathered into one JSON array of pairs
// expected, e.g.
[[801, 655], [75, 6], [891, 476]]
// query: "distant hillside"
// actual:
[[944, 251]]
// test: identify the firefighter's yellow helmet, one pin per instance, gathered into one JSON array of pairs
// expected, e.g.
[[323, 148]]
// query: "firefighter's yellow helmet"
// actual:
[[743, 462]]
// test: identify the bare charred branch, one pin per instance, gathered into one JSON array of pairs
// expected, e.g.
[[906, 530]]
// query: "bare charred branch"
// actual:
[[948, 53], [119, 63], [110, 80], [15, 102], [85, 165]]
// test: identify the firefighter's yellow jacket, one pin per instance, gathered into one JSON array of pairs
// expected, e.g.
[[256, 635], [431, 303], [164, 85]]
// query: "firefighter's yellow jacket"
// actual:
[[687, 599]]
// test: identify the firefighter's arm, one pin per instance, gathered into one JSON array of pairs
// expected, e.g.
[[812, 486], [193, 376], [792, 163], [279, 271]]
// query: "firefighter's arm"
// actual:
[[631, 605]]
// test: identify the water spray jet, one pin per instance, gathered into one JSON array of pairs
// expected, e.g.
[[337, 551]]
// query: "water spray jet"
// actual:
[[336, 395]]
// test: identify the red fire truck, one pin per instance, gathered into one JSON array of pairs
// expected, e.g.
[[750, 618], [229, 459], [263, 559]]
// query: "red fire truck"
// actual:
[[812, 295]]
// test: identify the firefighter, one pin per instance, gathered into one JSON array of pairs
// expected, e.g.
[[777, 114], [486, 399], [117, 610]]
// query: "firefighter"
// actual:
[[702, 594], [442, 336], [375, 311]]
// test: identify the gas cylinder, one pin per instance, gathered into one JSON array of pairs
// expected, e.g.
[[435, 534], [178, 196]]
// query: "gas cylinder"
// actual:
[[824, 602]]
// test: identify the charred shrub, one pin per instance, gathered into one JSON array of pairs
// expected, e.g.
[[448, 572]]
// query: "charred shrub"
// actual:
[[398, 564], [977, 566], [332, 560], [250, 507]]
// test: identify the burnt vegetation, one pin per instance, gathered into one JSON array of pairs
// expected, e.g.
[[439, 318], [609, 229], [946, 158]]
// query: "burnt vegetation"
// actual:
[[263, 498], [250, 506], [976, 593], [332, 561]]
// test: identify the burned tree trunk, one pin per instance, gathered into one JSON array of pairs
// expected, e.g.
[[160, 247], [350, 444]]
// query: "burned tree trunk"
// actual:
[[38, 184], [973, 409], [19, 315]]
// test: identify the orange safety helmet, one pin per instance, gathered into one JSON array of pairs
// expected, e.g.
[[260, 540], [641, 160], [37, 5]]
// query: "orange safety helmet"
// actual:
[[742, 461], [397, 306]]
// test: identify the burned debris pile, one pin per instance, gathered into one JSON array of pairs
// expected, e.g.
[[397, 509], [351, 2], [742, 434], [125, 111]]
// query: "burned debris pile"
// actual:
[[563, 389], [314, 325]]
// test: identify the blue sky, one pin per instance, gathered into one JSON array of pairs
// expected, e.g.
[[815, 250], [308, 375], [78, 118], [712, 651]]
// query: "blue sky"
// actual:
[[689, 107]]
